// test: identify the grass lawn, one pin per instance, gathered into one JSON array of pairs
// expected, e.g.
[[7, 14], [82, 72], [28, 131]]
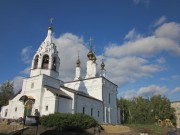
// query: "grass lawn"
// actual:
[[154, 129]]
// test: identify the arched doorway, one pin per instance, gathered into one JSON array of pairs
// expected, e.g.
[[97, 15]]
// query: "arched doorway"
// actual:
[[28, 107]]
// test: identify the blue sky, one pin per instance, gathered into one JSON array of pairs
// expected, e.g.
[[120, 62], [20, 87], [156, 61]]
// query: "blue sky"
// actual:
[[140, 40]]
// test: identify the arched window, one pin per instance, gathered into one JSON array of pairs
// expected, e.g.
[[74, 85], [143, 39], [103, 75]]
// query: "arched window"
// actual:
[[45, 62], [28, 107], [54, 64], [36, 62]]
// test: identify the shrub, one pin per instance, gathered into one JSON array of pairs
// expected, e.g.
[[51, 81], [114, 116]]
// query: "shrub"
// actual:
[[62, 121]]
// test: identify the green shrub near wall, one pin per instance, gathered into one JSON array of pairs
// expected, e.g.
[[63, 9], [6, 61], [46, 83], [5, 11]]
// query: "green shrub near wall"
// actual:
[[62, 121]]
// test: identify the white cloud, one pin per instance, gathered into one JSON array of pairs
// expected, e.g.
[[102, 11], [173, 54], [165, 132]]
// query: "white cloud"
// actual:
[[173, 77], [147, 91], [164, 40], [148, 46], [152, 90], [161, 60], [169, 31], [129, 69], [160, 21], [26, 54], [17, 83], [68, 46], [146, 2], [26, 71], [176, 90], [130, 94], [133, 35]]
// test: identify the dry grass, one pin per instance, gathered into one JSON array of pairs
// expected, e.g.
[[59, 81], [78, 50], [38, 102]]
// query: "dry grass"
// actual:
[[115, 128], [9, 128]]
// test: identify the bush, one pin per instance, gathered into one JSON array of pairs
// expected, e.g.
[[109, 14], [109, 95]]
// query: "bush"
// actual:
[[62, 121]]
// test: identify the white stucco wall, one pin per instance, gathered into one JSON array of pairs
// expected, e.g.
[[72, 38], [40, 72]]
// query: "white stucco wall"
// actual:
[[15, 109], [89, 104], [64, 105], [110, 102]]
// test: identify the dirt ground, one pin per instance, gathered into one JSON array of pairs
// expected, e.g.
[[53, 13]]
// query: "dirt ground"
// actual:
[[107, 130]]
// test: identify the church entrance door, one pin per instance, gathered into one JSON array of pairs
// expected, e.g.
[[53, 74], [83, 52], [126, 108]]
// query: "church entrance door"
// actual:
[[28, 107]]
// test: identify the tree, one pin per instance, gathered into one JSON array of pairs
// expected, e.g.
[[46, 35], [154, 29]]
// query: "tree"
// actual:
[[6, 93], [141, 110], [123, 105], [161, 108]]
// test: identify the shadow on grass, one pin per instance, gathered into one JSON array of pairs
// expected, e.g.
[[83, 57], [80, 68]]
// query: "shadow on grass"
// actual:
[[55, 132]]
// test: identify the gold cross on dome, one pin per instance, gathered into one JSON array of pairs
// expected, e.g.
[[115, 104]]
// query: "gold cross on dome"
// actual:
[[78, 53], [90, 40], [51, 20]]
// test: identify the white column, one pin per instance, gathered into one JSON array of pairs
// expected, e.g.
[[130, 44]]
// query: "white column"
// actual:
[[40, 62], [109, 114], [105, 120], [50, 63], [78, 73], [93, 69], [89, 69]]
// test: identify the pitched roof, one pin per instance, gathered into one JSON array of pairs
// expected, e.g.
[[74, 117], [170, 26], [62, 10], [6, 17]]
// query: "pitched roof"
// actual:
[[57, 92], [79, 93]]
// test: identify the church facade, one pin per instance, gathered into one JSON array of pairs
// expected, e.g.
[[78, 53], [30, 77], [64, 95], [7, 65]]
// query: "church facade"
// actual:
[[93, 95]]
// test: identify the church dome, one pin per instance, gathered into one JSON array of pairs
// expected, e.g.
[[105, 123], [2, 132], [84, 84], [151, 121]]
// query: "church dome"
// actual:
[[50, 28], [78, 62], [102, 65], [90, 55]]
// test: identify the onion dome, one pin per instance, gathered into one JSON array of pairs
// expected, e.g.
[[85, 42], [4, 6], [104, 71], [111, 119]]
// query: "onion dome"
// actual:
[[102, 65], [78, 62], [90, 55], [50, 28]]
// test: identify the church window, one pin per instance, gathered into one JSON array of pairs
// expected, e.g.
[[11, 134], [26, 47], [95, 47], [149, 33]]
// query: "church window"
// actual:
[[83, 110], [109, 98], [54, 64], [98, 113], [36, 62], [46, 108], [15, 109], [45, 62], [91, 111], [6, 112], [32, 85]]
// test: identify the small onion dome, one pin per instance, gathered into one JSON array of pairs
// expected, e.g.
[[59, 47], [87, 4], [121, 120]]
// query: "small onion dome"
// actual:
[[90, 55], [78, 62], [102, 65], [50, 27]]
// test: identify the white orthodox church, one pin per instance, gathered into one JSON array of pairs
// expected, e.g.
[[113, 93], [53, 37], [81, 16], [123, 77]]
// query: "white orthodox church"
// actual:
[[93, 95]]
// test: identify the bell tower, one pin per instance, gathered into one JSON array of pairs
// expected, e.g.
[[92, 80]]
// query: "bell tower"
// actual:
[[46, 60]]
